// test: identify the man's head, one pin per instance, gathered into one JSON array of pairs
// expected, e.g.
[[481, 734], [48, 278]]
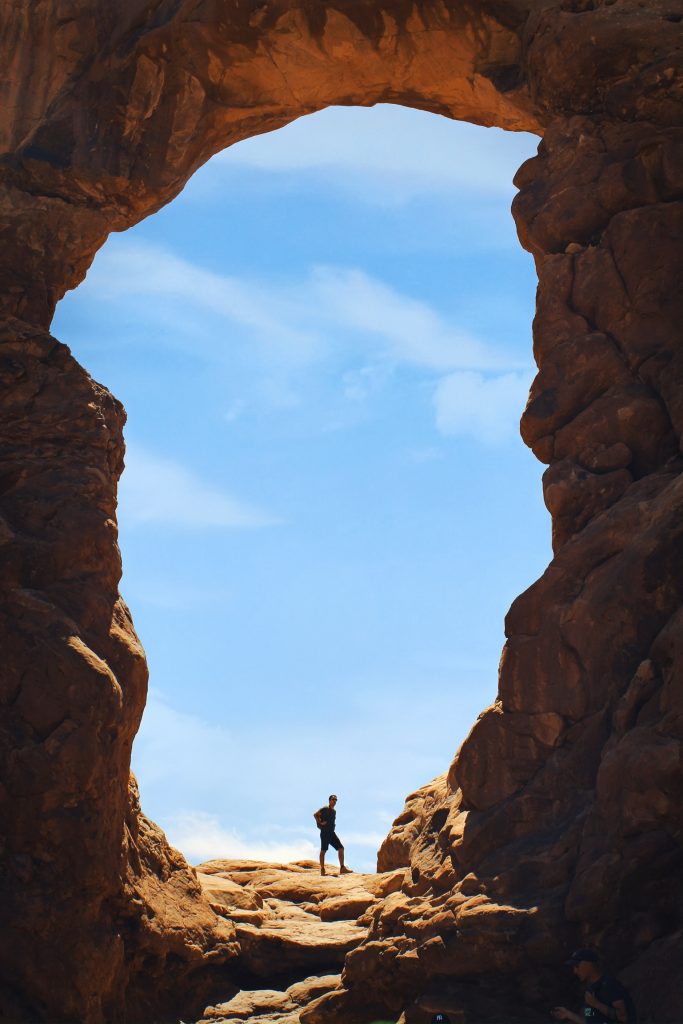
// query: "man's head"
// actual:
[[333, 799], [585, 964]]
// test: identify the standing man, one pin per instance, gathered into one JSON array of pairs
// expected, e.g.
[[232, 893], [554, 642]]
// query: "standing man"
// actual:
[[326, 819], [605, 999]]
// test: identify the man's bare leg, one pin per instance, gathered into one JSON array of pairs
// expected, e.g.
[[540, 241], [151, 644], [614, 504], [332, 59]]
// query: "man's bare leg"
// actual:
[[322, 862], [342, 869]]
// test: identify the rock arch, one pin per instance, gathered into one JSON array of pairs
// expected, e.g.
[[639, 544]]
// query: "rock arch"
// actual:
[[560, 819]]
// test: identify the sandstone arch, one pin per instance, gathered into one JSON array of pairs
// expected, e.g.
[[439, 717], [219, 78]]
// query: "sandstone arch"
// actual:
[[562, 813]]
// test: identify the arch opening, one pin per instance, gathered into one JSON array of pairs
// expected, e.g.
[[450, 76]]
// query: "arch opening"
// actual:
[[345, 300]]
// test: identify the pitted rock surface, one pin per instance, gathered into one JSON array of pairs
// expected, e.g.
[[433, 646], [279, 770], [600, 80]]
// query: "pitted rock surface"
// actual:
[[559, 822]]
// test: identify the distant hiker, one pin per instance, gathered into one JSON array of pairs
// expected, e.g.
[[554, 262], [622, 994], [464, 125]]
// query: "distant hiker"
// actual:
[[605, 999], [326, 819]]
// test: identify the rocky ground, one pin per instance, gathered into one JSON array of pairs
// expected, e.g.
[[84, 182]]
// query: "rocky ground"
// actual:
[[294, 927]]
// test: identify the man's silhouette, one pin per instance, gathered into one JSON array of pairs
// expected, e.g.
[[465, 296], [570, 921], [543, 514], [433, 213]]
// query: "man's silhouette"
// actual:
[[325, 819]]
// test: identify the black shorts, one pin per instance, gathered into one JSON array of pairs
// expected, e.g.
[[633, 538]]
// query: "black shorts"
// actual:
[[328, 839]]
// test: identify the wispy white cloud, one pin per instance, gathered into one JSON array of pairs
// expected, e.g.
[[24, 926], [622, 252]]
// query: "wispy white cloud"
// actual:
[[136, 269], [412, 332], [202, 837], [336, 325], [160, 490], [371, 839], [364, 150], [468, 404], [330, 308]]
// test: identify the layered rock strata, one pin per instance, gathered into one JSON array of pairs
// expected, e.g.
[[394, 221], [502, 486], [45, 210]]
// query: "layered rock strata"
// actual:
[[560, 819]]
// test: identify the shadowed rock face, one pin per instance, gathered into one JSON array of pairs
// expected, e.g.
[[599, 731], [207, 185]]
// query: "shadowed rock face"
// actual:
[[560, 819]]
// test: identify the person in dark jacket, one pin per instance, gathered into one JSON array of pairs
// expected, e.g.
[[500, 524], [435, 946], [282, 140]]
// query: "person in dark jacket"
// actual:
[[604, 1000], [326, 819]]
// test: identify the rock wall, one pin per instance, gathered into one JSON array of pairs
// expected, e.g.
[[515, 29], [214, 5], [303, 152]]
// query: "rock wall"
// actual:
[[92, 895], [560, 821], [560, 818]]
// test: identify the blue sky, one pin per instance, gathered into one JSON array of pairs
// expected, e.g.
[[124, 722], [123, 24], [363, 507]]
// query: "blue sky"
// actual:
[[324, 347]]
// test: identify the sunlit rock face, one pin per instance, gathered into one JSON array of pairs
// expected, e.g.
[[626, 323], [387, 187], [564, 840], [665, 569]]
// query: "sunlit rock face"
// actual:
[[559, 822]]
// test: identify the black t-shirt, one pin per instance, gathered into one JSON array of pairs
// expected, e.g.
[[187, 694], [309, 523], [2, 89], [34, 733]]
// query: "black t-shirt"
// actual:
[[609, 991], [328, 817]]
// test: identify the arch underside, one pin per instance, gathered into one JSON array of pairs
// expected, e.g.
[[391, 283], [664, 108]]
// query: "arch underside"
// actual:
[[559, 822]]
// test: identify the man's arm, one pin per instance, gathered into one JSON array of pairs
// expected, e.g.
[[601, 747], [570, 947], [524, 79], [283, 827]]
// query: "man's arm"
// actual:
[[562, 1013], [622, 1012], [617, 1011]]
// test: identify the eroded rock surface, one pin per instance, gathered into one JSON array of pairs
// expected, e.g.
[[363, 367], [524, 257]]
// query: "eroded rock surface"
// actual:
[[273, 1006], [294, 928], [560, 819], [90, 887], [289, 920]]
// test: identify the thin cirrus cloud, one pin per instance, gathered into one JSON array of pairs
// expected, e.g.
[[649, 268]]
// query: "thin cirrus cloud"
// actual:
[[299, 322], [413, 333], [156, 490], [136, 269], [364, 149], [287, 327]]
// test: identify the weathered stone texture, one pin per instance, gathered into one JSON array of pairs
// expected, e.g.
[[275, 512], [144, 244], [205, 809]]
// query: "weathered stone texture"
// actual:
[[560, 818], [178, 951], [91, 891], [73, 677], [565, 801]]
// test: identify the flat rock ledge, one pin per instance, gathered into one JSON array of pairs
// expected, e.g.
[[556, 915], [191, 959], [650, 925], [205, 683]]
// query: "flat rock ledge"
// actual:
[[292, 925]]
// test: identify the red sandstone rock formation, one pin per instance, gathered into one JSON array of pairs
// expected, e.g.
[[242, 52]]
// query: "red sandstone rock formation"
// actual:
[[560, 819], [289, 921], [92, 895]]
